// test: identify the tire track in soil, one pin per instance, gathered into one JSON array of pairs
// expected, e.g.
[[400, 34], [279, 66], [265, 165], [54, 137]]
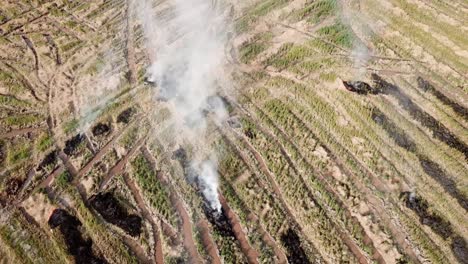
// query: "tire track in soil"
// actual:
[[19, 132], [130, 50], [250, 253], [158, 251], [188, 241]]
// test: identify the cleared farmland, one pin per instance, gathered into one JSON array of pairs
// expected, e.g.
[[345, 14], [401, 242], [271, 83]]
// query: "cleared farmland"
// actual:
[[345, 137]]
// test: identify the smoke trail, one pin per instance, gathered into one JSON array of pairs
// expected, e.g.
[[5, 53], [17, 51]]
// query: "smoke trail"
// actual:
[[186, 40], [360, 52]]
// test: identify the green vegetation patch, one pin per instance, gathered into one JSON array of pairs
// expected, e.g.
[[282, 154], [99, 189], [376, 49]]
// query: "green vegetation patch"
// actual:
[[288, 55], [339, 34], [260, 9], [19, 153], [250, 49], [44, 142], [157, 195], [316, 11]]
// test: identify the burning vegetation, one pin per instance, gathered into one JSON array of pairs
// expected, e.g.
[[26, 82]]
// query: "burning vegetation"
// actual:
[[114, 213], [219, 220], [77, 246]]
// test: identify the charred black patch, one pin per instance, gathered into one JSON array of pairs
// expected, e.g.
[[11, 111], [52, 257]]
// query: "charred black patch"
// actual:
[[126, 115], [13, 186], [418, 205], [397, 134], [294, 251], [114, 213], [77, 246], [72, 144], [180, 155], [48, 161], [439, 131], [428, 87], [101, 129], [2, 152], [360, 87], [250, 133], [459, 249], [219, 220], [432, 169]]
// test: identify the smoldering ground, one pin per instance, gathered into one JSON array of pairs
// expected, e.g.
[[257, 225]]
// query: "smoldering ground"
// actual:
[[186, 40]]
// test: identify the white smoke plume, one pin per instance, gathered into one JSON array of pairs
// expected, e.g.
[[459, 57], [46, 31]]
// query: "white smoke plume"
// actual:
[[186, 41]]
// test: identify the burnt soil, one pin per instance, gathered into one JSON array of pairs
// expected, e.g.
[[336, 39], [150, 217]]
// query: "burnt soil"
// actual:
[[110, 209], [418, 205], [294, 251], [397, 134], [180, 155], [439, 131], [101, 129], [12, 187], [126, 115], [430, 168], [428, 87], [360, 87], [77, 246], [71, 145], [48, 161], [459, 249]]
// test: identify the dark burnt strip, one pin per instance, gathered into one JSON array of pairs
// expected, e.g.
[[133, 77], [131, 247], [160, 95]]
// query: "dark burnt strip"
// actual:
[[439, 131], [430, 168], [428, 87], [294, 251], [420, 206]]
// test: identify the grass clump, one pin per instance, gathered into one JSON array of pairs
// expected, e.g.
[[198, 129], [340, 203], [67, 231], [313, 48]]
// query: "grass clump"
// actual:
[[45, 142], [258, 10], [250, 49], [19, 154], [315, 12], [70, 126], [338, 33]]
